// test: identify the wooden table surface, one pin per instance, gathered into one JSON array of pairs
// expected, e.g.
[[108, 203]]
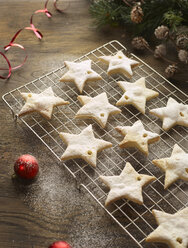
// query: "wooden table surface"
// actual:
[[52, 208]]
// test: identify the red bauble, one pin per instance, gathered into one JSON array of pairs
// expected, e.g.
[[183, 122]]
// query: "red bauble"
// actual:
[[60, 244], [26, 166]]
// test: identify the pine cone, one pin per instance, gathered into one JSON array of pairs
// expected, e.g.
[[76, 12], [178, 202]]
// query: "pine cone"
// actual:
[[161, 32], [183, 56], [139, 43], [137, 14], [182, 41], [171, 70], [160, 51]]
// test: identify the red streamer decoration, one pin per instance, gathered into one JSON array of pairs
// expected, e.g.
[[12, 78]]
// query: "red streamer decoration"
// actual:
[[10, 68], [44, 10], [12, 44], [36, 32], [55, 5]]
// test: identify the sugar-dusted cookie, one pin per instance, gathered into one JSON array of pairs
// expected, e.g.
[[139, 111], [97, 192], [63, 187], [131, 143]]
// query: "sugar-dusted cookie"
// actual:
[[173, 114], [172, 228], [119, 63], [127, 185], [137, 136], [97, 108], [80, 73], [175, 167], [42, 103], [83, 145], [136, 94]]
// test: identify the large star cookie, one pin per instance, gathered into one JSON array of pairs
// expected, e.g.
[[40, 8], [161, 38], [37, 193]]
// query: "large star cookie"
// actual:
[[137, 136], [127, 185], [83, 145], [175, 167], [119, 63], [136, 94], [42, 103], [172, 229], [173, 114], [80, 73], [97, 108]]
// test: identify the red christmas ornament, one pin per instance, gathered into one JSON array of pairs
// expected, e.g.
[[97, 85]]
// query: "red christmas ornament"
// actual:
[[26, 166], [60, 244]]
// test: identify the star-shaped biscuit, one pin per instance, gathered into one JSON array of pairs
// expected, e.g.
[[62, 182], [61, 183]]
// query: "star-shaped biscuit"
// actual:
[[97, 108], [175, 167], [83, 145], [172, 228], [80, 73], [127, 185], [119, 63], [136, 94], [137, 136], [42, 103], [173, 114]]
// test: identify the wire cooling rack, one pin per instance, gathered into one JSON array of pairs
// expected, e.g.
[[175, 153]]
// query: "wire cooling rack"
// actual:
[[136, 220]]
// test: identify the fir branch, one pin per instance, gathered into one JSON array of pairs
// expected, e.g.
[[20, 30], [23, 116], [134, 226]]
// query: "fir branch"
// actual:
[[173, 19], [173, 13], [110, 12]]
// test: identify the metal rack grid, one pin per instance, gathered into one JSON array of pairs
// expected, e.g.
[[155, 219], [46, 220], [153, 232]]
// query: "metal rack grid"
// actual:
[[130, 216]]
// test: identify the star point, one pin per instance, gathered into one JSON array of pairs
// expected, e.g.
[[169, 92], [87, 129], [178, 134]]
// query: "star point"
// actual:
[[127, 185], [97, 108], [136, 94], [175, 166], [80, 73], [42, 103], [119, 63], [83, 145]]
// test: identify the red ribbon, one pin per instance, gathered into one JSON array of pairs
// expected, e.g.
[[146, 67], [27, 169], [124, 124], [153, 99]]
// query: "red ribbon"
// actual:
[[6, 48], [44, 10], [20, 46], [55, 5], [10, 69], [36, 32]]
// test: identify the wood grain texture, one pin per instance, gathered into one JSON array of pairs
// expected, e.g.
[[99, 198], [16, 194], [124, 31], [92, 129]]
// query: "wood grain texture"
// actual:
[[52, 208]]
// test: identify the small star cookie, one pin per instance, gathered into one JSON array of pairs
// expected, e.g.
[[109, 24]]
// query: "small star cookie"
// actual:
[[119, 63], [172, 228], [80, 73], [97, 108], [136, 94], [42, 103], [127, 185], [173, 114], [83, 145], [175, 167], [137, 136]]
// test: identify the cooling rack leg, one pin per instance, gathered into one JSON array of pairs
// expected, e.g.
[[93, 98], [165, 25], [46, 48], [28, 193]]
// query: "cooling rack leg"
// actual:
[[78, 185], [14, 116]]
